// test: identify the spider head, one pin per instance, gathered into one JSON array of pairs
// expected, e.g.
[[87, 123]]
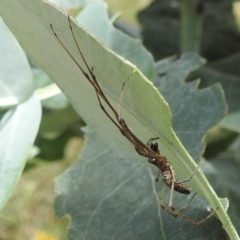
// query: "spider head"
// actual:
[[154, 147]]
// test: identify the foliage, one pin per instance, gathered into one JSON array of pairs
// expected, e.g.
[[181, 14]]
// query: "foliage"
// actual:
[[110, 192]]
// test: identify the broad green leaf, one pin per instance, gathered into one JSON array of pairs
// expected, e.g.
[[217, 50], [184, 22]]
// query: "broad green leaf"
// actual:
[[111, 198], [15, 73], [16, 77], [68, 4], [206, 106], [19, 125], [132, 49], [18, 130], [231, 86], [143, 108]]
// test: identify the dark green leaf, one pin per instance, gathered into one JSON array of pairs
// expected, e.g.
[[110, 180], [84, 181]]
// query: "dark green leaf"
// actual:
[[194, 111]]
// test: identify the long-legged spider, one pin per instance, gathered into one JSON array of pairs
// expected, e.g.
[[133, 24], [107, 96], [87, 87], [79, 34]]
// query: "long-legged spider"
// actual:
[[149, 150]]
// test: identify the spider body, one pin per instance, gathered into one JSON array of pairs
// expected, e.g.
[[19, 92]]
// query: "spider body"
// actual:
[[165, 169]]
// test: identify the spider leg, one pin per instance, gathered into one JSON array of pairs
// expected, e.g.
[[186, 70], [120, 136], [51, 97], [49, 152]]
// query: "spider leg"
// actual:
[[157, 178], [105, 111], [93, 79], [179, 213], [151, 140], [124, 129], [188, 179], [142, 148], [161, 202], [188, 202]]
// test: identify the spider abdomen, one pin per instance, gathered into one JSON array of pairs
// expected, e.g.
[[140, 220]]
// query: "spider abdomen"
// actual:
[[178, 186], [182, 188]]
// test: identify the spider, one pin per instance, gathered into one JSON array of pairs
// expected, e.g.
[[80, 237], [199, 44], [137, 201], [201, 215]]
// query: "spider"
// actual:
[[149, 150]]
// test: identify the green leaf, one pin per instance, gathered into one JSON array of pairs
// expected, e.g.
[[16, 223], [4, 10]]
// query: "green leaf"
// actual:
[[143, 108], [194, 111], [231, 86], [17, 133], [15, 73], [73, 4], [116, 198], [19, 125], [132, 49]]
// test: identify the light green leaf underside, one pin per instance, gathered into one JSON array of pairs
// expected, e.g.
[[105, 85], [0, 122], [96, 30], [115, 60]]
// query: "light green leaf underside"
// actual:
[[15, 74], [131, 49], [18, 130], [19, 125], [72, 4], [140, 99]]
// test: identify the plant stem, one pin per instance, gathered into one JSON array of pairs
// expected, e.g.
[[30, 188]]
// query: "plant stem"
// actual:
[[191, 25]]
